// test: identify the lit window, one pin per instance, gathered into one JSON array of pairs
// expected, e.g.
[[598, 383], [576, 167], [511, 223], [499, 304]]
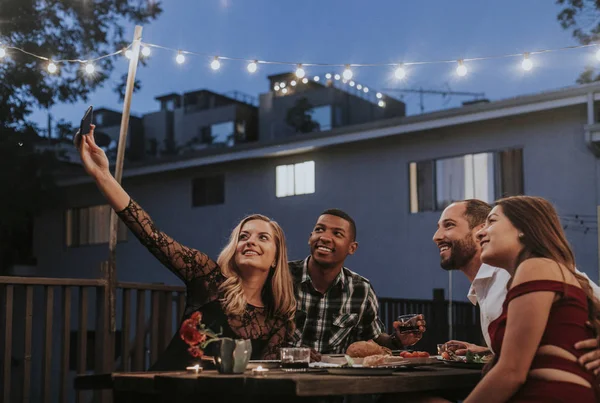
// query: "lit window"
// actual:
[[296, 179]]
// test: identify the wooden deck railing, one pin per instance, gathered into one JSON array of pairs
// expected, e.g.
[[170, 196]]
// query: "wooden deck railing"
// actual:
[[55, 328]]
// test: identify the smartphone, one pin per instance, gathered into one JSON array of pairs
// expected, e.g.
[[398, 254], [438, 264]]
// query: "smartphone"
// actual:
[[86, 121]]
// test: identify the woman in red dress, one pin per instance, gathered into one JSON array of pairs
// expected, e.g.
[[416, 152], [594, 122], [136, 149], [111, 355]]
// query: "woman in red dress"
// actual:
[[545, 311]]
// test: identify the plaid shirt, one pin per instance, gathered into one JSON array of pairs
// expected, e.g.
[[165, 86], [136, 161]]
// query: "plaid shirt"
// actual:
[[330, 322]]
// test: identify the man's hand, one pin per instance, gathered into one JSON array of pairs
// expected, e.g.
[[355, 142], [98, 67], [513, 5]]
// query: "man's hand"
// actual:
[[411, 337], [591, 359], [461, 347], [315, 356]]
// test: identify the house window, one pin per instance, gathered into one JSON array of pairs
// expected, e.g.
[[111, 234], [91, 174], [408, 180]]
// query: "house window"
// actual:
[[208, 190], [295, 179], [90, 226], [222, 133], [435, 184], [322, 116]]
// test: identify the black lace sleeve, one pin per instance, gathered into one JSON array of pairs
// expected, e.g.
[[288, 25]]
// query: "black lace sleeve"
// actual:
[[281, 337], [186, 263]]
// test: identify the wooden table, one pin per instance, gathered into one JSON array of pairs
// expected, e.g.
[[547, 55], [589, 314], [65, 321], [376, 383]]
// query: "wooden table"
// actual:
[[276, 386]]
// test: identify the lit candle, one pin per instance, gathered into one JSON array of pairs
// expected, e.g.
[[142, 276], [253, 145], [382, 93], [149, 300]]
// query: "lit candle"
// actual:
[[260, 371], [194, 370]]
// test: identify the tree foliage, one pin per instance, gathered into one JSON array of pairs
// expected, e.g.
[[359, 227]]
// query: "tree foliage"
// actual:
[[60, 30]]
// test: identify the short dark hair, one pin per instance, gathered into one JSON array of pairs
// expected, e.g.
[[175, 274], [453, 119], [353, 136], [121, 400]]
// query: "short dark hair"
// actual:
[[476, 212], [342, 214]]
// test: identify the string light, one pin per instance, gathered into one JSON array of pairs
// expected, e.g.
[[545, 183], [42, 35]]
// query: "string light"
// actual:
[[52, 68], [2, 52], [316, 78], [128, 53], [146, 51], [527, 64], [276, 88], [379, 95], [381, 104], [328, 76], [285, 90], [461, 69], [304, 80], [215, 64], [293, 83], [337, 77], [347, 74], [352, 83], [252, 66], [300, 73], [282, 85], [366, 89], [358, 87], [400, 73], [180, 58], [89, 68]]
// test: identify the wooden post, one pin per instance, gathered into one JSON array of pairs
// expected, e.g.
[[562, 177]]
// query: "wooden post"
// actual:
[[110, 274]]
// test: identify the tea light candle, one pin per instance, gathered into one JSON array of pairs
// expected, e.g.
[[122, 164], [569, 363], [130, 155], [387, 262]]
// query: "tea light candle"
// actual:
[[260, 371], [194, 370]]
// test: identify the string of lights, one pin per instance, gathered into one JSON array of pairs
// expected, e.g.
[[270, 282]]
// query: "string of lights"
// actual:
[[345, 76]]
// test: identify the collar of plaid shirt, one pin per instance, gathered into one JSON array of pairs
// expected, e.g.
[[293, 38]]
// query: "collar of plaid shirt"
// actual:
[[330, 322]]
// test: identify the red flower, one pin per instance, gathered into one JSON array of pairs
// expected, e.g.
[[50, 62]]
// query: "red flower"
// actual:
[[196, 316], [195, 352], [190, 335], [188, 323]]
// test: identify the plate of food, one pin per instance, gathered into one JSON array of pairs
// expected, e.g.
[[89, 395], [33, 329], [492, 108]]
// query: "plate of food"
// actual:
[[370, 354], [470, 360], [360, 370]]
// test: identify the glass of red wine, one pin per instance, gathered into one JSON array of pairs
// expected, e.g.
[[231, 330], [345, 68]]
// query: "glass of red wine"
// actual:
[[409, 324]]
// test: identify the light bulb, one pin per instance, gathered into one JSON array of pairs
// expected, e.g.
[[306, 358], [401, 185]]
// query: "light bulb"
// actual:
[[146, 51], [293, 83], [352, 83], [304, 80], [285, 90], [527, 64], [347, 74], [328, 76], [379, 95], [215, 64], [276, 88], [300, 73], [381, 103], [282, 85], [337, 77], [358, 87], [316, 78], [52, 68], [252, 66], [366, 89], [180, 58], [461, 70], [128, 53], [2, 52], [400, 73], [89, 68]]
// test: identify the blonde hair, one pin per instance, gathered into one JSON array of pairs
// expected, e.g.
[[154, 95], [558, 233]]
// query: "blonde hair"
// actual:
[[278, 293]]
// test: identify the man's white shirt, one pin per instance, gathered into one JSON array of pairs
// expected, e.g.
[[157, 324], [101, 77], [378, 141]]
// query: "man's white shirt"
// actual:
[[489, 291]]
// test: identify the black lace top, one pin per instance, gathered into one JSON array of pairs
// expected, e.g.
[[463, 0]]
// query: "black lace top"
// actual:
[[202, 277]]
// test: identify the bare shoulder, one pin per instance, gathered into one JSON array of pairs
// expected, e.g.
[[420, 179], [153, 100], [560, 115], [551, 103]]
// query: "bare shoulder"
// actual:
[[540, 269]]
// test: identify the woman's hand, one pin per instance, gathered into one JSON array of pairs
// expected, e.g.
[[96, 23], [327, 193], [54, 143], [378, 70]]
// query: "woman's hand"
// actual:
[[93, 157]]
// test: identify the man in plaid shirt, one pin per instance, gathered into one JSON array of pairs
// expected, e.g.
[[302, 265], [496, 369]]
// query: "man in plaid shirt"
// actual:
[[336, 306]]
